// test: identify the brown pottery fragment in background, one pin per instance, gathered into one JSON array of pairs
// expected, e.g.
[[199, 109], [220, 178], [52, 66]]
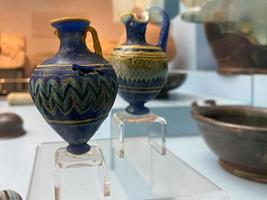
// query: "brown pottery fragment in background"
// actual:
[[236, 52]]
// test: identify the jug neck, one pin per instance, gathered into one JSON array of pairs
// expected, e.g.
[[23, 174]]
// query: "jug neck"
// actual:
[[72, 40], [135, 33]]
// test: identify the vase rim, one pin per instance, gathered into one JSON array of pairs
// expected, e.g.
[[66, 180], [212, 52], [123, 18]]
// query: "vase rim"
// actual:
[[130, 15], [69, 19]]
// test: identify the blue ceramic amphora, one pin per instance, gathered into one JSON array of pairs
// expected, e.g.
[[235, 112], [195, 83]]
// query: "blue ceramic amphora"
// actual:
[[141, 68], [76, 88]]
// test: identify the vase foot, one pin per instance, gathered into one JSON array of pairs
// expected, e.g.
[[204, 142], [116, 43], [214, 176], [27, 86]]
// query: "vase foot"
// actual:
[[137, 109], [78, 149]]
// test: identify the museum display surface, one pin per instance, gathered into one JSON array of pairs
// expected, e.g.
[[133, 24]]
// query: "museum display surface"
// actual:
[[108, 107]]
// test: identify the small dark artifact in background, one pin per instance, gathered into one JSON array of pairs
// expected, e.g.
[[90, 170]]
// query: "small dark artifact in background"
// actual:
[[238, 135], [174, 80], [11, 125]]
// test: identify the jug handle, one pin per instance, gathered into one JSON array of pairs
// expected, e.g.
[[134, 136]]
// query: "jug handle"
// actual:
[[165, 26], [97, 45]]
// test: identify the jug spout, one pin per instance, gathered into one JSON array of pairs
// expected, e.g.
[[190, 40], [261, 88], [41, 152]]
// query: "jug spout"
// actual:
[[135, 28]]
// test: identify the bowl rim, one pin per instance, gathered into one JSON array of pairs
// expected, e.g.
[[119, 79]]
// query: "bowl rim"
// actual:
[[197, 116]]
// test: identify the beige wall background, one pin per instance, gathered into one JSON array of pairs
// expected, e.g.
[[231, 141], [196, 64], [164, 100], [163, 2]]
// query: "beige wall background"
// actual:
[[30, 18]]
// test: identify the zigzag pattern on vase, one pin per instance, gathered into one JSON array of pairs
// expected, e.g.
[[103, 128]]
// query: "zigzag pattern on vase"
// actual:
[[71, 94], [153, 71], [139, 69]]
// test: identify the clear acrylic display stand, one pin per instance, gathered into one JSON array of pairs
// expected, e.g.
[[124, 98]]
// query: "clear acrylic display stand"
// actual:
[[156, 130], [68, 165], [142, 174]]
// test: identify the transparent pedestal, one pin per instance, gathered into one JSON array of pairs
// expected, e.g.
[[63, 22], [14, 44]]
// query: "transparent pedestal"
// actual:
[[68, 165], [142, 174], [155, 125]]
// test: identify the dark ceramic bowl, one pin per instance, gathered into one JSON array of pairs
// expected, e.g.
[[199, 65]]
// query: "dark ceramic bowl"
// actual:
[[11, 125], [174, 80], [238, 135]]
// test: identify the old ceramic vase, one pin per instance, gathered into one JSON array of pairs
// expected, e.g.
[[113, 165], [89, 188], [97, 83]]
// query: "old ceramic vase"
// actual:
[[76, 88], [141, 68]]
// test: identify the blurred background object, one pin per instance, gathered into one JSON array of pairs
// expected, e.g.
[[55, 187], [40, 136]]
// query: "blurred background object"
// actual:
[[174, 80], [12, 62], [11, 125], [19, 98], [13, 51], [9, 195], [236, 32], [8, 85], [122, 6]]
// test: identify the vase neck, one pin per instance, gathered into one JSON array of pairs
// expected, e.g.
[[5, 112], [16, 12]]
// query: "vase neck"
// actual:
[[135, 33], [72, 40]]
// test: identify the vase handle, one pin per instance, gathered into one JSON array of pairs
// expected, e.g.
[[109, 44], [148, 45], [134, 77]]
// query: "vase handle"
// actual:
[[165, 26], [97, 45]]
